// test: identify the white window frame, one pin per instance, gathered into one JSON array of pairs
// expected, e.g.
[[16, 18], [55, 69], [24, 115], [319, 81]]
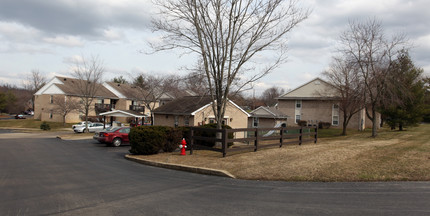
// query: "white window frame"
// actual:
[[298, 104], [335, 115], [298, 119], [255, 122]]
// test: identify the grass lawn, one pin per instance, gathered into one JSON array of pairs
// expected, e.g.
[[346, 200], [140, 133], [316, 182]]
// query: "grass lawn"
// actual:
[[31, 124], [392, 156]]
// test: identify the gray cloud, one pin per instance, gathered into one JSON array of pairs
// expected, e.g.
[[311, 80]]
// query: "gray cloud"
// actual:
[[80, 17]]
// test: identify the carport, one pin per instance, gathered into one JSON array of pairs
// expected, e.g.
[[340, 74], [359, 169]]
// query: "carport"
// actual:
[[123, 113]]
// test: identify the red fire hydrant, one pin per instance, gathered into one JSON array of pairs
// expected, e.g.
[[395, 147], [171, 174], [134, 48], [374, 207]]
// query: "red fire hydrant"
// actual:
[[183, 146]]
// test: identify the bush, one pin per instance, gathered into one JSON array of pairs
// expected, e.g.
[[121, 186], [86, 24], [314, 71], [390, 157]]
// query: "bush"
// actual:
[[302, 123], [324, 125], [148, 140], [212, 134], [45, 126], [173, 139]]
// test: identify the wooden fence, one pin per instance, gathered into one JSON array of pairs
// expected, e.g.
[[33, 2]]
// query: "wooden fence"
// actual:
[[296, 135]]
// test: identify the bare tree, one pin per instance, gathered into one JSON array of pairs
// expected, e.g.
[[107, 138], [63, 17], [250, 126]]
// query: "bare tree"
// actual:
[[89, 73], [64, 106], [196, 82], [153, 89], [33, 83], [269, 95], [228, 35], [345, 78], [366, 46]]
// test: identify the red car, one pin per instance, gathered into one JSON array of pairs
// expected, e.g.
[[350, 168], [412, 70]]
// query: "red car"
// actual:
[[113, 136]]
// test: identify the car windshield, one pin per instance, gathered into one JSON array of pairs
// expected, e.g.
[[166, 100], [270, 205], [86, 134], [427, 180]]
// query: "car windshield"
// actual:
[[112, 128]]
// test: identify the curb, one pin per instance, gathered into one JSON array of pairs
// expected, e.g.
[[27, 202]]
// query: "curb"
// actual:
[[199, 170]]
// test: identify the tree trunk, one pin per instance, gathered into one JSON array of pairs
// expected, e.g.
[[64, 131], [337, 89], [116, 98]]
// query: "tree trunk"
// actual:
[[400, 126], [344, 128], [374, 123]]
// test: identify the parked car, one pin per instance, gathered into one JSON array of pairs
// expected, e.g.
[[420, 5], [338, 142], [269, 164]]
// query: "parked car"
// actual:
[[19, 116], [80, 124], [93, 127], [29, 112], [97, 133], [115, 136]]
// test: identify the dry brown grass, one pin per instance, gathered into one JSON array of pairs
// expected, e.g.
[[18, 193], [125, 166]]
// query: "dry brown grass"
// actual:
[[393, 155]]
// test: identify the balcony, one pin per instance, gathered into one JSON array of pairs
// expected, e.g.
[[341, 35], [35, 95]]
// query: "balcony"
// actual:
[[137, 108], [100, 108]]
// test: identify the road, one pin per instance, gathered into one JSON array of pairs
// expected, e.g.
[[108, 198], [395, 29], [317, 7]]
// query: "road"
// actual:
[[43, 175]]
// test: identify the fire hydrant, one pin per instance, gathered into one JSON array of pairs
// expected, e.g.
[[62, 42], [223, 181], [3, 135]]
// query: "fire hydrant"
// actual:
[[183, 146]]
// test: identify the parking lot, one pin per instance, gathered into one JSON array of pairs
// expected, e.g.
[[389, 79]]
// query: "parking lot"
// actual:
[[43, 175]]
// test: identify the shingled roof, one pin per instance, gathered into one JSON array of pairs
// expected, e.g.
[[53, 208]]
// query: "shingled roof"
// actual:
[[268, 112], [129, 91], [71, 87], [184, 106]]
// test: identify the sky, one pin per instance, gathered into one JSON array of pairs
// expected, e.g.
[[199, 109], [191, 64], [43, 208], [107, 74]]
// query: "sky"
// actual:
[[48, 36]]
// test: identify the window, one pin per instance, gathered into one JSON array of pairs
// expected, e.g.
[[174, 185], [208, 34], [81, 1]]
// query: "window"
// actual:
[[186, 120], [298, 118], [256, 120], [335, 114], [176, 121], [335, 120], [211, 120], [298, 104], [100, 101], [50, 114], [51, 99]]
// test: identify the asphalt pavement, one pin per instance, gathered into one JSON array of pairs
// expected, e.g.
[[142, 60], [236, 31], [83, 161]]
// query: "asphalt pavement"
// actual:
[[43, 175]]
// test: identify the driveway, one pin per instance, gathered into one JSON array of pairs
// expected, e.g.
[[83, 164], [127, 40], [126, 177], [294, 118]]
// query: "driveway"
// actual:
[[43, 175]]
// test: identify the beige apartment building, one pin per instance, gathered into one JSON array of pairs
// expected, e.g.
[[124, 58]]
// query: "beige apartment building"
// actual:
[[109, 96], [316, 101], [197, 110]]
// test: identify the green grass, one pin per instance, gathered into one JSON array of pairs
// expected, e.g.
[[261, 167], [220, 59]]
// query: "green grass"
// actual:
[[31, 123], [391, 156]]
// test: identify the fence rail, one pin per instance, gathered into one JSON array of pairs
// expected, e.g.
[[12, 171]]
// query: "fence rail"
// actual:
[[283, 136]]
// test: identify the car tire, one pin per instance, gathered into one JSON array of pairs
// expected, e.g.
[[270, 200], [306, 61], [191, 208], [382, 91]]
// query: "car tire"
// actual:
[[116, 142]]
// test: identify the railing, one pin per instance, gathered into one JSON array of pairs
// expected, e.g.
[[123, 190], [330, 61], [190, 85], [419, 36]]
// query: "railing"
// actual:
[[137, 108], [284, 136], [104, 107]]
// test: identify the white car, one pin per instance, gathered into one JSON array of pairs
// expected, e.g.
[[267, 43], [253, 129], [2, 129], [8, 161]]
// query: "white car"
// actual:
[[93, 127], [80, 124]]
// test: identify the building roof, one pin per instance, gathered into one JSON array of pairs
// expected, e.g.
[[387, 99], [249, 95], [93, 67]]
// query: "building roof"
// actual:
[[124, 90], [184, 106], [124, 113], [71, 86], [316, 89], [268, 112], [189, 105]]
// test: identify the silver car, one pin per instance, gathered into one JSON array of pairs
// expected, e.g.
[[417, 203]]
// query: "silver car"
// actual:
[[93, 127], [80, 124]]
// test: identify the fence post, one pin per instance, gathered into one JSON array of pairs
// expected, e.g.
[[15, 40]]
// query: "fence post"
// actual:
[[316, 134], [191, 140], [282, 137], [256, 139], [301, 136], [224, 142]]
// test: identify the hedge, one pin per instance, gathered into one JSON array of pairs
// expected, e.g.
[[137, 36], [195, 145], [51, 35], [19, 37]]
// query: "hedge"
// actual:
[[211, 134], [148, 140]]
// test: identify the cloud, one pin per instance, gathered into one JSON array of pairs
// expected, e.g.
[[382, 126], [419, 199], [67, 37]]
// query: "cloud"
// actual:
[[17, 32], [69, 41], [77, 17], [72, 60]]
